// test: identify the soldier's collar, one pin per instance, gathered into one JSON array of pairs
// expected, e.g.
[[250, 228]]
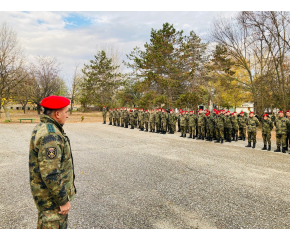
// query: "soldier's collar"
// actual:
[[47, 119]]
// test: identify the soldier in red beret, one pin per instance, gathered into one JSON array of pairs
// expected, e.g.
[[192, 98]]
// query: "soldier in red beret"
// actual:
[[51, 166], [110, 116]]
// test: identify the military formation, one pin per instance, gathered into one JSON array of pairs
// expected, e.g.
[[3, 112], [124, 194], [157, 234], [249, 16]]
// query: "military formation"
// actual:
[[219, 125]]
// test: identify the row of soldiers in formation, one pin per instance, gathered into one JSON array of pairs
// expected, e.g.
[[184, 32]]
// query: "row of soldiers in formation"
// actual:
[[217, 125]]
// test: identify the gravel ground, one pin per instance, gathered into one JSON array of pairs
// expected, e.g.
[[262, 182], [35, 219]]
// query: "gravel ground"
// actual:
[[131, 179]]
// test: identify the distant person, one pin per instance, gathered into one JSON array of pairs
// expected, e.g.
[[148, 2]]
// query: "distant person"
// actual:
[[51, 166]]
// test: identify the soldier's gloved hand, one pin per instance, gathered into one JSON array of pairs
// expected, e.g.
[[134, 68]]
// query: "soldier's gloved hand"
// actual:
[[65, 208]]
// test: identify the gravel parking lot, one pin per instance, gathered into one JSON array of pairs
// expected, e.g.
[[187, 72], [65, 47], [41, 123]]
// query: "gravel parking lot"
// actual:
[[131, 179]]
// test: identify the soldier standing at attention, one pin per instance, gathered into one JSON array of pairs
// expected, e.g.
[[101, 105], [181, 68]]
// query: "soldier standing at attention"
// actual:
[[126, 117], [163, 119], [146, 120], [132, 119], [220, 124], [110, 116], [252, 123], [171, 122], [122, 117], [51, 166], [192, 124], [267, 126], [288, 130], [210, 126], [235, 125], [157, 120], [141, 119], [228, 127], [242, 120], [281, 123], [183, 124], [135, 117], [152, 121], [114, 117], [104, 114], [118, 117], [201, 124]]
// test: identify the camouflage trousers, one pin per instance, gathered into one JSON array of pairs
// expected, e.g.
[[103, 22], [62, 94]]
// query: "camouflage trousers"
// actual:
[[163, 126], [114, 120], [242, 132], [252, 136], [288, 140], [141, 124], [104, 118], [210, 132], [152, 126], [122, 121], [220, 133], [279, 138], [183, 129], [110, 119], [118, 121], [179, 129], [228, 133], [135, 123], [51, 220], [235, 132], [172, 127], [192, 130], [157, 126], [267, 138], [201, 131], [126, 121], [146, 125]]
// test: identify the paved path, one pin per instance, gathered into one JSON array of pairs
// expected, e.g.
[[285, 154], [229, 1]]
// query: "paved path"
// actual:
[[131, 179]]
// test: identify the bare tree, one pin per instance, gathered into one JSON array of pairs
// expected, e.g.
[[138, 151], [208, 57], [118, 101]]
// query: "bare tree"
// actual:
[[45, 77], [75, 87], [11, 65]]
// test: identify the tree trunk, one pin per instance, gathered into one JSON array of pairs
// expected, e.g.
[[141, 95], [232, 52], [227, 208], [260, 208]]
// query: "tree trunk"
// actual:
[[38, 108], [24, 108], [71, 106], [6, 110]]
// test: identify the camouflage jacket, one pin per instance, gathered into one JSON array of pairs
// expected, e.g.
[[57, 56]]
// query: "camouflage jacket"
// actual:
[[141, 116], [117, 114], [220, 121], [146, 117], [242, 121], [135, 113], [228, 122], [131, 116], [157, 117], [281, 125], [288, 128], [201, 120], [267, 125], [122, 114], [183, 120], [126, 115], [104, 111], [252, 124], [51, 166], [114, 114], [110, 114], [192, 120], [172, 118], [210, 122], [235, 123], [163, 117], [152, 117]]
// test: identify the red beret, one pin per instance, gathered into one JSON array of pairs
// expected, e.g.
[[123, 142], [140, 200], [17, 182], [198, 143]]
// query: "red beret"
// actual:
[[179, 110], [183, 111], [146, 110], [54, 102], [251, 112], [281, 111], [121, 108], [104, 106], [163, 109], [207, 113], [232, 113], [265, 115], [131, 110], [186, 111], [241, 112], [287, 111], [235, 112], [113, 108], [191, 111], [109, 108], [125, 107], [200, 110]]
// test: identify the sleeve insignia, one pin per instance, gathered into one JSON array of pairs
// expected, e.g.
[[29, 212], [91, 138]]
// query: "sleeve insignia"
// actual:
[[51, 152]]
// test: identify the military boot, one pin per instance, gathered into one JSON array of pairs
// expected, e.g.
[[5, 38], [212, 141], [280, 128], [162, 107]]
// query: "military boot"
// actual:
[[265, 147], [222, 141], [254, 145], [181, 135], [217, 141], [230, 140], [193, 136], [240, 138], [244, 139], [132, 127], [269, 148], [208, 139], [236, 138], [184, 135], [178, 130], [249, 144], [110, 123], [283, 150], [190, 136], [277, 150]]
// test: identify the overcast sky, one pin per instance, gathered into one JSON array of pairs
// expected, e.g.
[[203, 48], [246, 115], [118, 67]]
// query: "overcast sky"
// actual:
[[74, 36]]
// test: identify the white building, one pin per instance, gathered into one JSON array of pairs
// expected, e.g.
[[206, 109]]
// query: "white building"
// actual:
[[246, 107]]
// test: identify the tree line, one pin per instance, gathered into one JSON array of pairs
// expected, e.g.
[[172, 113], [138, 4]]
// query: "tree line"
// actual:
[[244, 59]]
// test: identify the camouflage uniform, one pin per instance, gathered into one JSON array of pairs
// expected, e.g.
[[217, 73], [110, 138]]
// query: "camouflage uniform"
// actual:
[[51, 172], [126, 118], [178, 123], [157, 121], [242, 120], [201, 126], [146, 120], [183, 125], [192, 120], [141, 120], [163, 120], [252, 123], [132, 119], [118, 118], [135, 117], [114, 117], [235, 129], [210, 126], [288, 135], [104, 114], [220, 128], [110, 117], [228, 128], [171, 123], [281, 124], [152, 121], [122, 118], [267, 126]]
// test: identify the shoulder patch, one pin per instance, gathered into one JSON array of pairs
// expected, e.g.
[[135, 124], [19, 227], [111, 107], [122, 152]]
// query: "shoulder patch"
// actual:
[[50, 128], [51, 152]]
